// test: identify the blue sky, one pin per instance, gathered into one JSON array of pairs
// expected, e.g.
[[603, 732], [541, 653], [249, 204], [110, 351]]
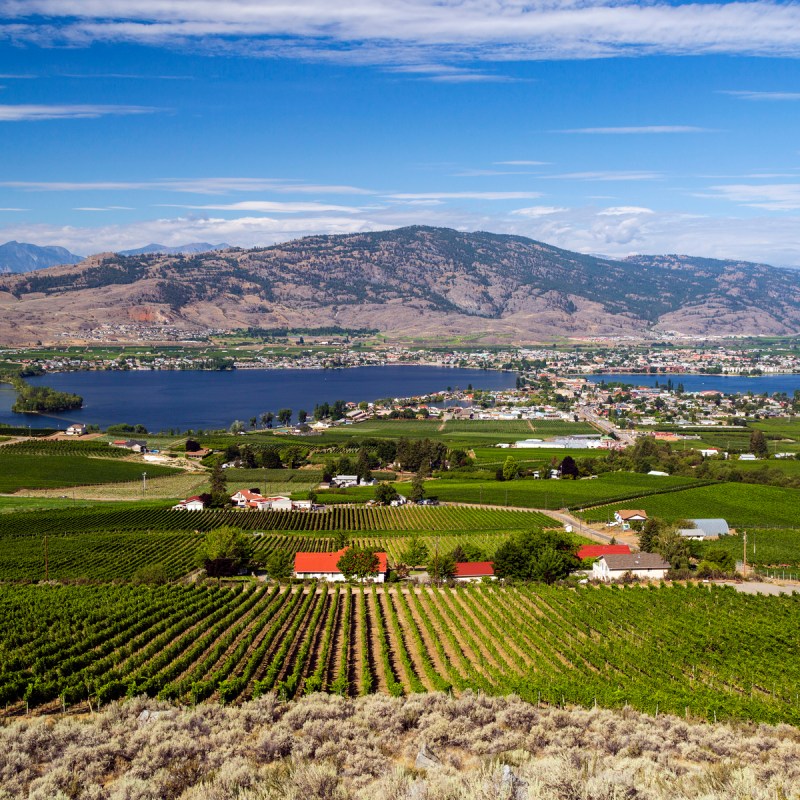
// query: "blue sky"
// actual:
[[603, 127]]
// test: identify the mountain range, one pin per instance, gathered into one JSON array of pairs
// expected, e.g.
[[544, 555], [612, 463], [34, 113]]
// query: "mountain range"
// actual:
[[24, 257], [417, 282], [181, 249]]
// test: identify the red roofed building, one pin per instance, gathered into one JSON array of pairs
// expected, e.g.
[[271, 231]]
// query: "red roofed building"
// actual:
[[471, 571], [597, 550], [322, 566]]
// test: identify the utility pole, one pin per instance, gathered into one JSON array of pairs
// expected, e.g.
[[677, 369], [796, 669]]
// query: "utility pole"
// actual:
[[46, 562], [144, 483], [744, 563]]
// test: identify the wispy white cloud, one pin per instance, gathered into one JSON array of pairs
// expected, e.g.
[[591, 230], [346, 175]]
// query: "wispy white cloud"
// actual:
[[103, 208], [538, 211], [488, 173], [32, 113], [14, 209], [267, 207], [386, 32], [209, 186], [465, 196], [771, 197], [765, 238], [624, 211], [521, 163], [641, 129], [449, 73], [774, 96], [608, 175], [125, 76]]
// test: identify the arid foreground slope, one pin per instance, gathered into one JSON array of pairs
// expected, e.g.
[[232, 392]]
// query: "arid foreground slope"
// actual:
[[371, 749]]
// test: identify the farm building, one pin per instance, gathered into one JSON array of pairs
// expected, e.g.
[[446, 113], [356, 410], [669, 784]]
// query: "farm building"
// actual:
[[322, 566], [628, 515], [247, 498], [597, 550], [77, 429], [706, 529], [649, 566], [195, 503], [473, 571]]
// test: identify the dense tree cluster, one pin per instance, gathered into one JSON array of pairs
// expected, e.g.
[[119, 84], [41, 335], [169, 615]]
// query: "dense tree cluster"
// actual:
[[544, 556]]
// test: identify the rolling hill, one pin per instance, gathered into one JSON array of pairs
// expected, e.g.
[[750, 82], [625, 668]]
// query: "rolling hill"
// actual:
[[418, 281]]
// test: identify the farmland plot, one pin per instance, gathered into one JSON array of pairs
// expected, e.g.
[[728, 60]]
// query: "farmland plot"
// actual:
[[685, 650]]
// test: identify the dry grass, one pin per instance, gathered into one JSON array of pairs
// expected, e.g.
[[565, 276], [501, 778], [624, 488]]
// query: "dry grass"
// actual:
[[166, 487], [327, 747]]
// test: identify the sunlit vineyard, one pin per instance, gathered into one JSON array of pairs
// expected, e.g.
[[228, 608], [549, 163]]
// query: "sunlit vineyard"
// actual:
[[349, 518], [699, 651]]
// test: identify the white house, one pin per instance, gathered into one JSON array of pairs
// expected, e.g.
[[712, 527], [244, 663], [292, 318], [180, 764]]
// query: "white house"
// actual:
[[247, 498], [322, 566], [748, 457], [76, 429], [649, 566], [195, 503], [627, 515], [345, 481]]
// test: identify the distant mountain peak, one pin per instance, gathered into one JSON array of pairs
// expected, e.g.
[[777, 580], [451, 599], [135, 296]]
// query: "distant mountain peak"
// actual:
[[182, 249], [25, 257]]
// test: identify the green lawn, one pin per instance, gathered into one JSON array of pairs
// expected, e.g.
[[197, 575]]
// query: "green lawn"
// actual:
[[741, 504]]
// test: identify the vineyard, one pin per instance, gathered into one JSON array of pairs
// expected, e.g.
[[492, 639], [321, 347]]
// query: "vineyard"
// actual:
[[530, 493], [119, 556], [65, 447], [741, 504], [708, 653], [347, 518], [31, 471]]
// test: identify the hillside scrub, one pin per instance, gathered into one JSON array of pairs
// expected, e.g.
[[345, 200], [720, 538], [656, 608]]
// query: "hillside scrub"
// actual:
[[325, 746]]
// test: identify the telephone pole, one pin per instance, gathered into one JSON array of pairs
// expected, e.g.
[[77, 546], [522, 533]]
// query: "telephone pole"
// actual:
[[744, 562]]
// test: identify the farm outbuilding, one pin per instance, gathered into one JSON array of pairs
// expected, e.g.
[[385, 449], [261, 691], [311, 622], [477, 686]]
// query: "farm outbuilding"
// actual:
[[649, 566], [322, 566]]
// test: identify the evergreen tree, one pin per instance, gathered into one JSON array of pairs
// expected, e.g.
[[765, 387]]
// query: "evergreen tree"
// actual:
[[650, 531], [758, 444], [417, 488]]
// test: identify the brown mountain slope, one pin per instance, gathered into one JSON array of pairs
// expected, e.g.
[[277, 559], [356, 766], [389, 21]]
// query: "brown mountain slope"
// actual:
[[412, 281]]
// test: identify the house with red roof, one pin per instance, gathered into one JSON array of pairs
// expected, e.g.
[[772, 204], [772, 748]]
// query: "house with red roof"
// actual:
[[247, 498], [597, 550], [195, 503], [322, 566], [473, 571]]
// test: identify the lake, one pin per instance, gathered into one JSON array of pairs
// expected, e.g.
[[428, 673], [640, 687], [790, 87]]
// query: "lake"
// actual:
[[727, 384], [166, 399]]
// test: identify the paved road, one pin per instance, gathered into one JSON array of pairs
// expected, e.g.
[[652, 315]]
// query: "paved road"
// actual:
[[754, 587]]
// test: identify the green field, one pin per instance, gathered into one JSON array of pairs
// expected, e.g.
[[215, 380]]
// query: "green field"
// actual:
[[23, 471], [708, 653], [741, 504], [530, 493], [533, 458]]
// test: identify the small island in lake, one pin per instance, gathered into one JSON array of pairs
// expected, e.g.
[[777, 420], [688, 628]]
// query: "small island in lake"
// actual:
[[44, 399]]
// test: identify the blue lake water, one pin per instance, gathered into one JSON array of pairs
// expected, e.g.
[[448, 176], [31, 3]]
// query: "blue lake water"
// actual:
[[161, 400], [728, 384]]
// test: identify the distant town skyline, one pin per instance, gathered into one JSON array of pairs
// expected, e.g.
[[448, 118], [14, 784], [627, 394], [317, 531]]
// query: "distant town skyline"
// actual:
[[605, 127]]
